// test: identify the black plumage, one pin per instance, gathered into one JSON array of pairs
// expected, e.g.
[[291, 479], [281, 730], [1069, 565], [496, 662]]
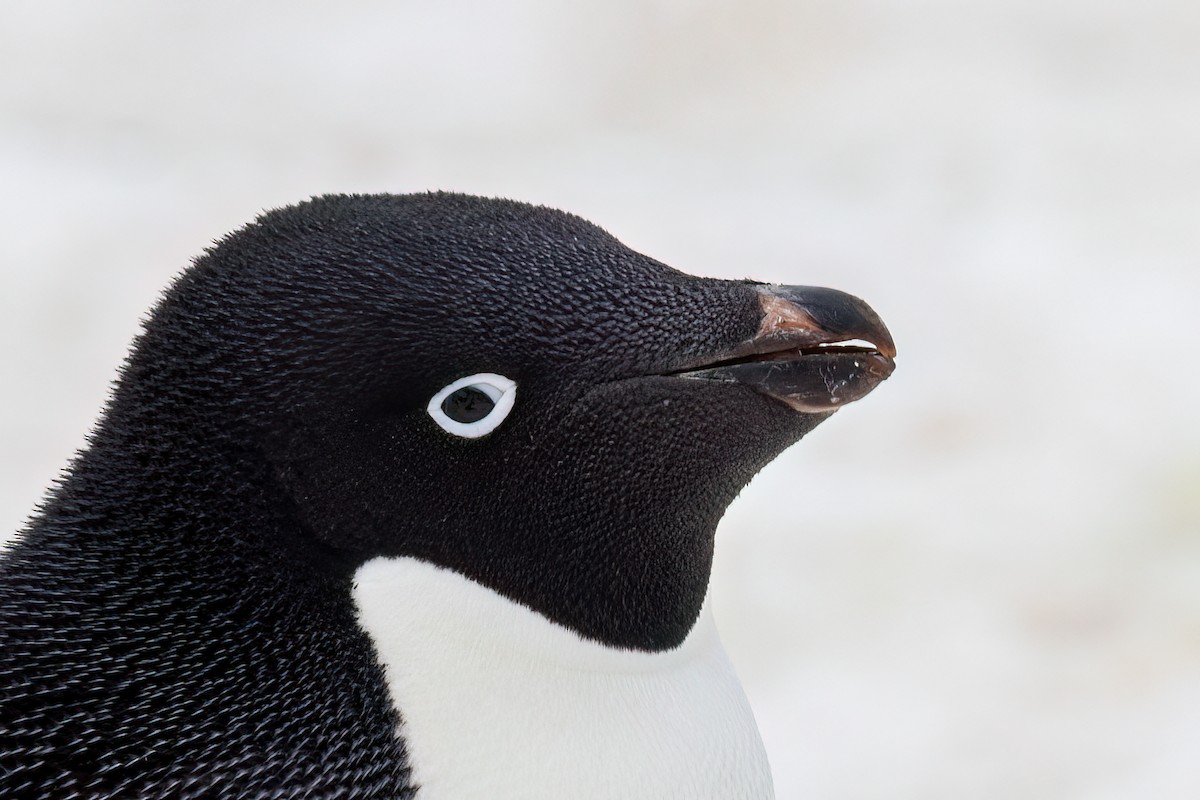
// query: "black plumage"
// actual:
[[175, 621]]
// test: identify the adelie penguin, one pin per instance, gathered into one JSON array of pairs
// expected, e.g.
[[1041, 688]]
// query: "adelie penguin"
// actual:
[[414, 496]]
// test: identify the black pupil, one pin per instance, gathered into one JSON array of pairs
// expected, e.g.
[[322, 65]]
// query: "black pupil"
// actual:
[[468, 404]]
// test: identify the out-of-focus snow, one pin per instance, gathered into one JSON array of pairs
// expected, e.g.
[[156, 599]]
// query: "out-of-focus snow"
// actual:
[[983, 580]]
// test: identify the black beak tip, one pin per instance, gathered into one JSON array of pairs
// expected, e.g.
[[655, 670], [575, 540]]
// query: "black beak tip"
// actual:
[[839, 315]]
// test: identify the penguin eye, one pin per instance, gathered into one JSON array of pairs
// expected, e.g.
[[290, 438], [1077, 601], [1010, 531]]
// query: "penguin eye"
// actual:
[[473, 406]]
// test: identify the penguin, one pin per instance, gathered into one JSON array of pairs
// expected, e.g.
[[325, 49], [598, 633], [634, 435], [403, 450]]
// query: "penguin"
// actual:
[[414, 496]]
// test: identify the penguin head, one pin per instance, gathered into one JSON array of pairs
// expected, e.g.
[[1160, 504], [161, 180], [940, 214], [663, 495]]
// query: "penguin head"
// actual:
[[500, 389]]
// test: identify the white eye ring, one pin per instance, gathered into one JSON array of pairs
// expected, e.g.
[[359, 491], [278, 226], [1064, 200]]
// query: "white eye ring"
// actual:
[[499, 389]]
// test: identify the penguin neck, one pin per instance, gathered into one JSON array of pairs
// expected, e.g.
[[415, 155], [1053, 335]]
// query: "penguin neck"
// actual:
[[641, 590], [177, 491]]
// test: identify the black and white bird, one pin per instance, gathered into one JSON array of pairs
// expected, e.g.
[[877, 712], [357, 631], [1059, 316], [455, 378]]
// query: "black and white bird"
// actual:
[[414, 496]]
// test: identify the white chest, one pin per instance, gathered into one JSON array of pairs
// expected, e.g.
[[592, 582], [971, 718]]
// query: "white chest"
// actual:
[[498, 702]]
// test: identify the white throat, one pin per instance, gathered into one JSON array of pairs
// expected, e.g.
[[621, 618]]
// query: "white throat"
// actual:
[[498, 702]]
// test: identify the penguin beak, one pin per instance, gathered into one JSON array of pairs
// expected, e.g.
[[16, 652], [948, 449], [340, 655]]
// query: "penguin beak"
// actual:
[[815, 350]]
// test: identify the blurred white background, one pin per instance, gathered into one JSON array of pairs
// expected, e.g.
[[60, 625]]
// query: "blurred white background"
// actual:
[[983, 581]]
